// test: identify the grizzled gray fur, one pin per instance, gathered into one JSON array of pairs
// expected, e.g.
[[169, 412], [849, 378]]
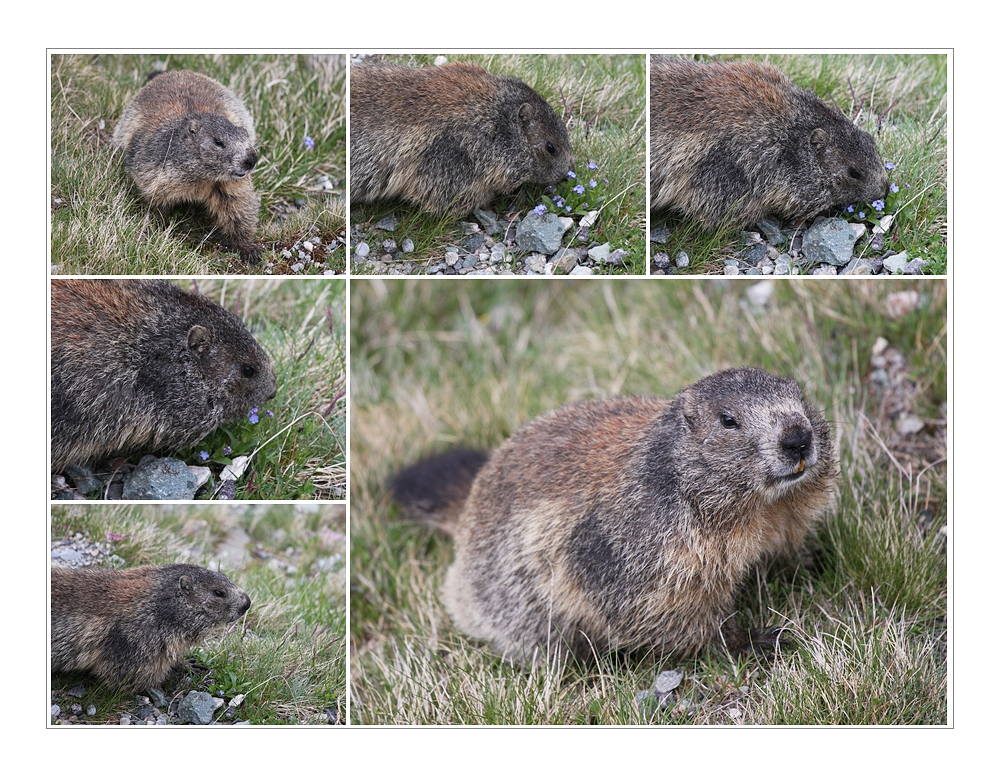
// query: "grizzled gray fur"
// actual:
[[731, 143], [628, 523], [187, 138], [129, 627], [450, 139], [139, 365]]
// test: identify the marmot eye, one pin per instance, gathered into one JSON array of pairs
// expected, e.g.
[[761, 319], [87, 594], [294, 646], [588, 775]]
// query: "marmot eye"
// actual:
[[220, 593], [550, 148], [854, 173], [220, 143], [728, 421], [249, 371]]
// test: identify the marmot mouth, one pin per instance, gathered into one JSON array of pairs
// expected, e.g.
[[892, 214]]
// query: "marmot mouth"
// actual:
[[239, 175]]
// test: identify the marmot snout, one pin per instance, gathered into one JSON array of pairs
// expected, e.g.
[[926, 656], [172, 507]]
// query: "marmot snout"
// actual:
[[628, 522]]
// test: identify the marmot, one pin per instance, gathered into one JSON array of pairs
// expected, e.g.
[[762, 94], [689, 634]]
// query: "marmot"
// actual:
[[451, 138], [187, 138], [143, 364], [731, 143], [131, 626], [628, 523]]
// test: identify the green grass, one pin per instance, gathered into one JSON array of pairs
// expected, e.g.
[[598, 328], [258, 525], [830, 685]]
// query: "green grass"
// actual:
[[300, 452], [100, 225], [902, 100], [603, 98], [434, 365], [288, 654]]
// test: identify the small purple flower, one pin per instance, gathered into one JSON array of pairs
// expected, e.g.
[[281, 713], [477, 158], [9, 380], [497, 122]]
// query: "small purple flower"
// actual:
[[310, 143], [115, 537], [204, 455], [226, 450], [890, 166], [270, 413], [893, 188], [592, 165], [861, 214], [906, 185], [539, 209], [879, 204], [578, 188], [592, 184], [254, 418], [559, 201], [571, 174], [849, 209]]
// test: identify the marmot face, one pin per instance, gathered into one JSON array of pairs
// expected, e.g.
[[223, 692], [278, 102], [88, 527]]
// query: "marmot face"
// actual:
[[546, 136], [848, 159], [756, 429], [223, 150]]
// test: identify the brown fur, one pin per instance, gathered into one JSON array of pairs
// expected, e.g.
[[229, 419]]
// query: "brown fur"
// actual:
[[131, 626], [731, 143], [450, 138], [187, 138], [143, 365], [632, 523]]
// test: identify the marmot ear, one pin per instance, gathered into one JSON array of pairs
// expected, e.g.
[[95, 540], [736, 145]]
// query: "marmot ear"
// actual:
[[526, 113], [185, 584], [194, 126], [819, 139], [199, 338], [689, 411]]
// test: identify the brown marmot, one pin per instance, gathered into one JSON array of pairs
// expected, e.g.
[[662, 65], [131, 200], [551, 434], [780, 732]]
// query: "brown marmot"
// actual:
[[451, 138], [187, 138], [731, 143], [628, 523], [131, 626], [143, 364]]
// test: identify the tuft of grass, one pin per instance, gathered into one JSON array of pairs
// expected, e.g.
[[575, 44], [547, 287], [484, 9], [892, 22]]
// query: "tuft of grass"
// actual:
[[101, 226], [868, 605], [288, 654], [603, 98], [899, 99]]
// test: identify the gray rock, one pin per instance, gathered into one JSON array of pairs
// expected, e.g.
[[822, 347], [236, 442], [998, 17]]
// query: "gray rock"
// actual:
[[389, 223], [682, 259], [599, 253], [830, 241], [161, 479], [198, 707], [542, 233]]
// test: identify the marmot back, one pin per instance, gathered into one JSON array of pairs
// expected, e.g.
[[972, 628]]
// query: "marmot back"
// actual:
[[451, 138], [143, 365], [731, 143], [131, 626], [187, 138], [631, 522]]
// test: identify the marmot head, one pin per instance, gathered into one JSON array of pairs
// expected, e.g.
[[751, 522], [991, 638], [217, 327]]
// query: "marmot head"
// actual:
[[223, 151], [755, 433], [210, 597], [846, 156]]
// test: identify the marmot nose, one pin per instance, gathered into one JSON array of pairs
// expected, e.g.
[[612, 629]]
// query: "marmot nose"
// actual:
[[797, 441], [250, 160]]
